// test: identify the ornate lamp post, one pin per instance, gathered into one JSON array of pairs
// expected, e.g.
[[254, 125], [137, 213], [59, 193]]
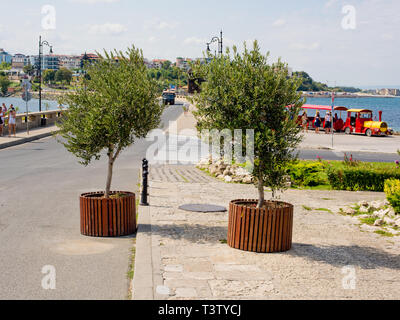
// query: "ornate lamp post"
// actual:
[[84, 62], [39, 67], [220, 44]]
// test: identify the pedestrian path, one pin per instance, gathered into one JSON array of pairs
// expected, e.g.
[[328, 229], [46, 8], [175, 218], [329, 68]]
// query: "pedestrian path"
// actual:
[[23, 137], [178, 173], [182, 255]]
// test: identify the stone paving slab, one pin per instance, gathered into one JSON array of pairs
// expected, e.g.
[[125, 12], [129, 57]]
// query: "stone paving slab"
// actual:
[[191, 260]]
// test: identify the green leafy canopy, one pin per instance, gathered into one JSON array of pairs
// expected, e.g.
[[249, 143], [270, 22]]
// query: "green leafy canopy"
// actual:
[[243, 91], [118, 105]]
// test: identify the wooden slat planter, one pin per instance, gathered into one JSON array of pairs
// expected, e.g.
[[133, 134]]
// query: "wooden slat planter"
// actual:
[[265, 230], [108, 217]]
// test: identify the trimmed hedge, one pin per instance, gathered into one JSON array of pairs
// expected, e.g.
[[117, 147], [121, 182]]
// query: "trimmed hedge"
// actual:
[[307, 174], [360, 178], [392, 190]]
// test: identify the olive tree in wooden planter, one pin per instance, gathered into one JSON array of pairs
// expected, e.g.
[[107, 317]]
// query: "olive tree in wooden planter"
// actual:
[[117, 105], [243, 91]]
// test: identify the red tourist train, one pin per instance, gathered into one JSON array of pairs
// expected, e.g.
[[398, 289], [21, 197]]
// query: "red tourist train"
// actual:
[[359, 121]]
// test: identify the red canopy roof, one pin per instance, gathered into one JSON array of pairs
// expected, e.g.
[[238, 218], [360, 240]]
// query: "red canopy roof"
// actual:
[[325, 108]]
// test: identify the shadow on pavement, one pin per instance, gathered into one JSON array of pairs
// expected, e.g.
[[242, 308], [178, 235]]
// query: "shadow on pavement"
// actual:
[[199, 234], [363, 257]]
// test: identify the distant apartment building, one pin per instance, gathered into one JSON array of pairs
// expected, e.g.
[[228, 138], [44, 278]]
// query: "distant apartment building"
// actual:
[[5, 56], [89, 57], [69, 62], [158, 63], [49, 62], [183, 63], [388, 92], [19, 61], [148, 63]]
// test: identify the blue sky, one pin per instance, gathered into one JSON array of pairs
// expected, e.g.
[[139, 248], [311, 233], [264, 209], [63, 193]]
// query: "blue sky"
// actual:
[[307, 34]]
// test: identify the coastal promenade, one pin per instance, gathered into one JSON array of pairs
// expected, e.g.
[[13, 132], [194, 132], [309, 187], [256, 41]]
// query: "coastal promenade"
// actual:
[[363, 148], [23, 137], [183, 255]]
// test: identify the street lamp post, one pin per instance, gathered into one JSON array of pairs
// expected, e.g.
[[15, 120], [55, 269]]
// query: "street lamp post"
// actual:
[[220, 44], [84, 62], [39, 67]]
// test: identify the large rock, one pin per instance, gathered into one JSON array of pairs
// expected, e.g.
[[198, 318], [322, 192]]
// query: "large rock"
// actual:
[[228, 179], [363, 204], [389, 221], [377, 204], [364, 209], [213, 169], [380, 214], [378, 223], [227, 172], [349, 211], [241, 172], [247, 180]]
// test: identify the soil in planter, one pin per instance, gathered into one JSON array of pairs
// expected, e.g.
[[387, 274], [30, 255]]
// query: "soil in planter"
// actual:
[[267, 204], [118, 195]]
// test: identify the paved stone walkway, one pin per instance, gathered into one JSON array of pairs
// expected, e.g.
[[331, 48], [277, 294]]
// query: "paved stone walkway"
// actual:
[[186, 255]]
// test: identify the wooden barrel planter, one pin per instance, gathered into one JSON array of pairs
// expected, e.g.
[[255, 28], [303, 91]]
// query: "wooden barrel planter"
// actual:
[[114, 217], [265, 230]]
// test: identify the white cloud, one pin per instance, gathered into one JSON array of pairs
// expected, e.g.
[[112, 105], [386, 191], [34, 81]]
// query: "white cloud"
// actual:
[[157, 24], [305, 47], [279, 23], [387, 36], [107, 29], [94, 1], [330, 3], [194, 40]]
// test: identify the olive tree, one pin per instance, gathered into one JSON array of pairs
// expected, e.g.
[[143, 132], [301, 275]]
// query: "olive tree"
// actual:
[[118, 105], [243, 91]]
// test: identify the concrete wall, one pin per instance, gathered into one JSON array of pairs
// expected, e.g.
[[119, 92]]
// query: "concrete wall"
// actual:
[[35, 119]]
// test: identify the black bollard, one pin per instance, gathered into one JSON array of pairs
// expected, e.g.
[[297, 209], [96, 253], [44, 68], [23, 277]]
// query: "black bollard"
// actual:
[[145, 186]]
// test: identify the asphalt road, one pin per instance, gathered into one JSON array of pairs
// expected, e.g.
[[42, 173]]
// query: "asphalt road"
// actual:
[[312, 154], [40, 184]]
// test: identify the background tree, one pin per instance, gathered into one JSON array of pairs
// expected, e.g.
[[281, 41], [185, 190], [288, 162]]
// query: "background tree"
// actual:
[[119, 105], [4, 84], [63, 75], [243, 91], [5, 66], [49, 76], [29, 69], [166, 64]]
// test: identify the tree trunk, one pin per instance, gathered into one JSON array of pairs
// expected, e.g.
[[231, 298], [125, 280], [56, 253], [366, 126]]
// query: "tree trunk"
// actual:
[[109, 175], [261, 196]]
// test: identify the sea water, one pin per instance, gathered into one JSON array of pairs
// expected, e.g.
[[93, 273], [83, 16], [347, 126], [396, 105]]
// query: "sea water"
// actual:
[[389, 106], [33, 105]]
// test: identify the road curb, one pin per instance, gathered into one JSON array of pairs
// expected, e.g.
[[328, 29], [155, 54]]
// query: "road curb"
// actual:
[[25, 140], [142, 283]]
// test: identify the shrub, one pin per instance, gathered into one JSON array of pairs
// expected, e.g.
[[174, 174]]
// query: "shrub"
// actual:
[[392, 190], [307, 174], [361, 178]]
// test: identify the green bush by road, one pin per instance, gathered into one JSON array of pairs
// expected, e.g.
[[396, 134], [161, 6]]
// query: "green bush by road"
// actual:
[[343, 175]]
